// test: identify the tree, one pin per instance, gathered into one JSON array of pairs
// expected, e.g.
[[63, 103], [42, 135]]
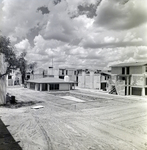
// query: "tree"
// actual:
[[22, 65], [9, 55], [8, 61], [32, 66]]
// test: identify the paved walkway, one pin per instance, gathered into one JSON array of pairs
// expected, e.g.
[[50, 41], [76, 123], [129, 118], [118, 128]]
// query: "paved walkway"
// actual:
[[104, 93]]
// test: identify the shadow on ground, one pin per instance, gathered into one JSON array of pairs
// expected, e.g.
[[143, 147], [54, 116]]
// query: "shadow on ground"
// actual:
[[7, 142], [19, 104]]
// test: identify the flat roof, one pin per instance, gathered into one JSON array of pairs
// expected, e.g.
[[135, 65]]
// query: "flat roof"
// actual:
[[130, 64], [49, 80]]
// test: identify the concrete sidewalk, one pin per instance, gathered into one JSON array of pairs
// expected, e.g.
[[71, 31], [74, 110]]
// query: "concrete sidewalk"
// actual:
[[104, 93]]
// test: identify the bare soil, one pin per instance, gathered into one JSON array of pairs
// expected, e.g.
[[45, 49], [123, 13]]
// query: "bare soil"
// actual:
[[101, 122]]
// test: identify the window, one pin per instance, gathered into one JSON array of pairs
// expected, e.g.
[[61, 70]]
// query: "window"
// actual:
[[146, 81], [123, 70], [54, 86], [62, 72], [145, 69], [75, 72], [9, 77], [105, 77], [128, 70], [145, 91], [66, 72], [28, 77], [136, 91]]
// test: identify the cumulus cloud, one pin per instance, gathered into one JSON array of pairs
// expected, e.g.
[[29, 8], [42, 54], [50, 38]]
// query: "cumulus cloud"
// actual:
[[23, 45], [120, 15], [76, 33]]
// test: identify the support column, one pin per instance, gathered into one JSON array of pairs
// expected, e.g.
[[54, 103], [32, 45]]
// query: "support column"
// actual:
[[83, 79], [28, 85], [36, 87], [92, 79], [127, 85], [130, 90], [48, 87], [143, 91], [40, 86]]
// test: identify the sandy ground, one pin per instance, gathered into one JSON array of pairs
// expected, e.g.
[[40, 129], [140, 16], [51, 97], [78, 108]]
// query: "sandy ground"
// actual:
[[97, 122]]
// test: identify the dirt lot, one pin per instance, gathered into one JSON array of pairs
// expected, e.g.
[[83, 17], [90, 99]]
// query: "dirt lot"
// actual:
[[97, 122]]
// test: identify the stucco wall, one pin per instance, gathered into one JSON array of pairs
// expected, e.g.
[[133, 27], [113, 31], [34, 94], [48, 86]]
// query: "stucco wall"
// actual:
[[81, 80], [116, 70], [64, 87], [89, 81], [136, 70], [120, 87], [97, 82], [3, 85], [137, 81]]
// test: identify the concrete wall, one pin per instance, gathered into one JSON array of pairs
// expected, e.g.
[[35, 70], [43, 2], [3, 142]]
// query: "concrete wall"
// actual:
[[3, 85], [89, 81], [96, 81], [64, 87], [36, 76], [81, 81]]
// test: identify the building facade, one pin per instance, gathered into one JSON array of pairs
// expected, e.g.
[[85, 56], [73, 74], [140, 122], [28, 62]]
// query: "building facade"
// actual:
[[71, 72], [50, 84], [130, 78]]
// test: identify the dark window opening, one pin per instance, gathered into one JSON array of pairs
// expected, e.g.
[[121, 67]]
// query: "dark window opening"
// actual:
[[62, 72], [125, 90], [61, 77], [32, 85], [129, 90], [146, 81], [66, 72], [9, 77], [28, 77], [124, 78], [128, 70], [145, 91], [54, 86], [136, 91], [75, 72], [123, 70]]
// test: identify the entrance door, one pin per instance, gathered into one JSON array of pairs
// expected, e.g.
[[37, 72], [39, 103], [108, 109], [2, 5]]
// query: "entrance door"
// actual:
[[145, 91], [103, 86]]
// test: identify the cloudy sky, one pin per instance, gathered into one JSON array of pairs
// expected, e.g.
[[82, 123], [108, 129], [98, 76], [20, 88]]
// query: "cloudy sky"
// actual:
[[77, 33]]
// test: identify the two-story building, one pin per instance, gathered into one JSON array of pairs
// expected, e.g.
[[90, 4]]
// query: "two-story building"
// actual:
[[130, 78], [71, 72]]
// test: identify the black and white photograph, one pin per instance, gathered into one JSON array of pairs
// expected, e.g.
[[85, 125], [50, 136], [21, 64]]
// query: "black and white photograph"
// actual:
[[73, 74]]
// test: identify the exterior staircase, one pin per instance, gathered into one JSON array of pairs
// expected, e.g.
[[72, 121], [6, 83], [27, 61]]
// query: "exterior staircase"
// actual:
[[113, 90]]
